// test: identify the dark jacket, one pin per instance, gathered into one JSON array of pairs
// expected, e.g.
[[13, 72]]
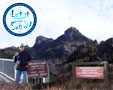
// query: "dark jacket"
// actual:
[[21, 60]]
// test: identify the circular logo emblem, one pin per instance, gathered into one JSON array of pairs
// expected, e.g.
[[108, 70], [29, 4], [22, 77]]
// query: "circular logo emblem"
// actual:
[[19, 19]]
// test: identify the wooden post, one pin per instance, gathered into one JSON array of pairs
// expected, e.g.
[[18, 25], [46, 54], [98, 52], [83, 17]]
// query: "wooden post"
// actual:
[[105, 73], [35, 81], [74, 74], [73, 71]]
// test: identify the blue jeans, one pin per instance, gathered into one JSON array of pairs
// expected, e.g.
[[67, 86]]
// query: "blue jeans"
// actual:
[[20, 76]]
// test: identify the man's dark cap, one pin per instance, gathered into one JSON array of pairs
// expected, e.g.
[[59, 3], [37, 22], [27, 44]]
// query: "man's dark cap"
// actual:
[[21, 45]]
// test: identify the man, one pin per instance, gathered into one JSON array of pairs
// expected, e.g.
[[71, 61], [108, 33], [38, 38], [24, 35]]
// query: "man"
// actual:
[[21, 60]]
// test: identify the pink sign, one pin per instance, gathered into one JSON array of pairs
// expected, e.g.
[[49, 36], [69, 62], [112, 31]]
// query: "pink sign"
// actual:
[[90, 72]]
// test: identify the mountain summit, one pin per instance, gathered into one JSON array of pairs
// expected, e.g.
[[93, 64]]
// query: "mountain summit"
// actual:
[[72, 34]]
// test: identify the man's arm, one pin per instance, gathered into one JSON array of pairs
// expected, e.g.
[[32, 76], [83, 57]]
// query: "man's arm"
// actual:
[[15, 57]]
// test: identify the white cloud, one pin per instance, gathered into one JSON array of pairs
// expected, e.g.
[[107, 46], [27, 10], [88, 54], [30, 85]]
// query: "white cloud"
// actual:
[[55, 16]]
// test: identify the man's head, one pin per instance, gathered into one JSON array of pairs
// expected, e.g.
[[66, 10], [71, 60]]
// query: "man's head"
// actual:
[[21, 47]]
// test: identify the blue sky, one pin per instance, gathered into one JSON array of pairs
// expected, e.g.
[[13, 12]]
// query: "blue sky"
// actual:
[[93, 18]]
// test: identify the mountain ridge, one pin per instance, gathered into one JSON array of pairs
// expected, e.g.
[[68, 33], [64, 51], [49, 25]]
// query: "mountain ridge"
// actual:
[[64, 45]]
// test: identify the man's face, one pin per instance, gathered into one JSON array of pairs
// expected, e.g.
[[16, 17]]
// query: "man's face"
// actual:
[[21, 48]]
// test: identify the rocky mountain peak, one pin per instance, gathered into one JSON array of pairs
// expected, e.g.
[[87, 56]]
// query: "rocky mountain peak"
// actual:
[[72, 34], [41, 39], [71, 30]]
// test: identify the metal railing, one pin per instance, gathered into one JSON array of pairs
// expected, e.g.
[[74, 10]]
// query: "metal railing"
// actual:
[[7, 68]]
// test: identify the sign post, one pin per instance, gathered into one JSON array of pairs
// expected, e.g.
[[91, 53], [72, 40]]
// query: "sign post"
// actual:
[[106, 73]]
